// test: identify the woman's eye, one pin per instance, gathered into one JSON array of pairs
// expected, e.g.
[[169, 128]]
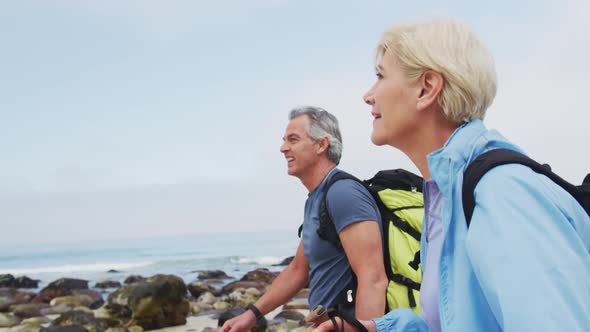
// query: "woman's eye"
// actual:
[[379, 76]]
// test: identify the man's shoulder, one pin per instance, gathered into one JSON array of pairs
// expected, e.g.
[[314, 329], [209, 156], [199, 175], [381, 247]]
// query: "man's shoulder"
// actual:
[[349, 191]]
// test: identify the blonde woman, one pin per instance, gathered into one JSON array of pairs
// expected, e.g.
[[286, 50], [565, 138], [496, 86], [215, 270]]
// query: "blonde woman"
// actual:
[[523, 264]]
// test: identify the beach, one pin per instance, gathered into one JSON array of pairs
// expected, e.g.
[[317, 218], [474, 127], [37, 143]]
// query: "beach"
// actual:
[[209, 275]]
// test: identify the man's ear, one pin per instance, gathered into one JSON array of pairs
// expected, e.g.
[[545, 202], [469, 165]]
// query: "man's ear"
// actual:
[[323, 145], [431, 84]]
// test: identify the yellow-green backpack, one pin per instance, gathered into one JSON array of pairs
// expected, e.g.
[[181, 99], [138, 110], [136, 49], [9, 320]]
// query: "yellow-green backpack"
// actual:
[[398, 194]]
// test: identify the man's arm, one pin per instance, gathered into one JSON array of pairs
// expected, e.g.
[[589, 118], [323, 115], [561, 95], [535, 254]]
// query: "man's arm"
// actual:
[[528, 257], [284, 287], [362, 243]]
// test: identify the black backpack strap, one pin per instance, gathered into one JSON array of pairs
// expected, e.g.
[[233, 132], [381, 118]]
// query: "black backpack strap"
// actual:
[[490, 159], [327, 229]]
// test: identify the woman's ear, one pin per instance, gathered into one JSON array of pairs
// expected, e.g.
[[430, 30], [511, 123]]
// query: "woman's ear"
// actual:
[[431, 84]]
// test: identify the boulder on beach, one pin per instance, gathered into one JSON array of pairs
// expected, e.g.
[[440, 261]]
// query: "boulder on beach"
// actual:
[[69, 328], [214, 274], [261, 274], [81, 318], [28, 310], [107, 284], [96, 297], [5, 303], [285, 261], [56, 310], [8, 320], [18, 296], [60, 287], [291, 315], [199, 287], [72, 300], [159, 301], [8, 280], [232, 286], [133, 279]]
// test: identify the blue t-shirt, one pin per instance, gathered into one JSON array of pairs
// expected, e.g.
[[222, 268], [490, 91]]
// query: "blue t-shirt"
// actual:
[[330, 273]]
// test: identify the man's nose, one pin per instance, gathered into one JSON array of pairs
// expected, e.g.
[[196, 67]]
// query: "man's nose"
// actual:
[[284, 148]]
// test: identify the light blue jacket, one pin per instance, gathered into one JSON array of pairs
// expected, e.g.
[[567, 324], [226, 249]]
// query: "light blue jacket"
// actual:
[[524, 263]]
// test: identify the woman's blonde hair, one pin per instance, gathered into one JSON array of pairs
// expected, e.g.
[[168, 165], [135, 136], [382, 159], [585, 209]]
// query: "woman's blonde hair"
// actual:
[[453, 50]]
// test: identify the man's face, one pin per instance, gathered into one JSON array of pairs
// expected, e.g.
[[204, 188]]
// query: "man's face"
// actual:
[[298, 148], [393, 100]]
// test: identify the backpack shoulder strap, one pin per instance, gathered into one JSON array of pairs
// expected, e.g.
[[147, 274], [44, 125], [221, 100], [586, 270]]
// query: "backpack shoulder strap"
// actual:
[[497, 157], [327, 229]]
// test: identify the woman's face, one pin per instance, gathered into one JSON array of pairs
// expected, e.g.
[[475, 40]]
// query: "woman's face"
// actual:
[[393, 99]]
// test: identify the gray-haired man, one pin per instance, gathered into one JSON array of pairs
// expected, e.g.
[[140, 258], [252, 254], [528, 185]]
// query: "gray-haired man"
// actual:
[[312, 146]]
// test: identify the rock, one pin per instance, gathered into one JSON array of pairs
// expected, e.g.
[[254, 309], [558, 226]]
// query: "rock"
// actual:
[[96, 297], [27, 328], [197, 288], [72, 300], [26, 282], [8, 320], [133, 279], [60, 287], [300, 329], [291, 315], [205, 306], [5, 303], [28, 310], [262, 274], [135, 328], [216, 274], [8, 280], [241, 298], [57, 310], [159, 301], [221, 305], [228, 314], [253, 292], [107, 284], [19, 297], [285, 261], [84, 309], [243, 284], [195, 308], [113, 271], [302, 294], [296, 304], [69, 328], [83, 319], [117, 329], [207, 298], [36, 321], [284, 326]]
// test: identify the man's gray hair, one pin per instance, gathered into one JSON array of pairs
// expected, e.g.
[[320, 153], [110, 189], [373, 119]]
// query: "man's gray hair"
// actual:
[[322, 125]]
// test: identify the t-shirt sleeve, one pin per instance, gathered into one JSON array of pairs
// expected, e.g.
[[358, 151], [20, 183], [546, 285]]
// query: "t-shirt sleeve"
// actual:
[[349, 202]]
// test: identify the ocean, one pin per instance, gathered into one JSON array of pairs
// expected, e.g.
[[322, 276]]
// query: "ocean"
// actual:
[[184, 256]]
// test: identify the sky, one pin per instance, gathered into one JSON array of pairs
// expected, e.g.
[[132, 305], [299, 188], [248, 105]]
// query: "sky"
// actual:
[[128, 119]]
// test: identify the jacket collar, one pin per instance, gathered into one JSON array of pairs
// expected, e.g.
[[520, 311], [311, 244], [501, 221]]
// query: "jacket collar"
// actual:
[[466, 143], [457, 152]]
